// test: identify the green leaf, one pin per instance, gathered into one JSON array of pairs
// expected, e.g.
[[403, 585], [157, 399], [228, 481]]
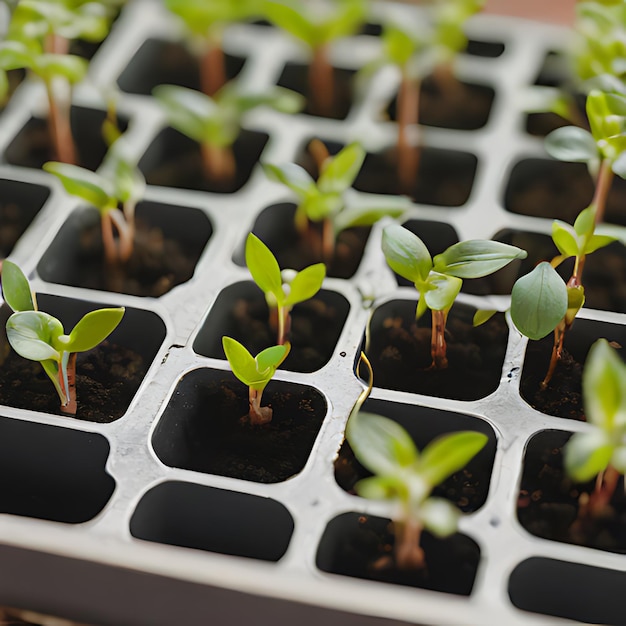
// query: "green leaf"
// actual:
[[619, 165], [571, 143], [15, 55], [93, 328], [584, 225], [449, 453], [476, 258], [269, 359], [16, 288], [71, 67], [364, 216], [320, 206], [565, 239], [242, 363], [292, 176], [598, 241], [347, 20], [84, 184], [439, 516], [442, 291], [339, 172], [306, 283], [381, 488], [380, 444], [482, 316], [32, 333], [399, 46], [406, 254], [538, 301], [278, 98], [291, 20], [264, 268], [587, 454]]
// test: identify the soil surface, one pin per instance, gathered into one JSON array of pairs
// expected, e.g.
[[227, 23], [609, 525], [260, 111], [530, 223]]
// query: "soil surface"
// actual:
[[400, 352], [206, 430], [548, 503], [362, 545], [107, 378]]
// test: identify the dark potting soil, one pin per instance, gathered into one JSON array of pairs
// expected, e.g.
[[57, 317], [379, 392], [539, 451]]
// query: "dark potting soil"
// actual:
[[295, 76], [360, 546], [316, 326], [158, 263], [205, 429], [549, 501], [559, 190], [462, 488], [107, 378], [400, 352], [451, 104]]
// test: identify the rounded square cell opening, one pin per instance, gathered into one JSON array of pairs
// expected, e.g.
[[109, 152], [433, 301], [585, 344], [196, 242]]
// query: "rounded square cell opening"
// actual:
[[275, 226], [32, 146], [19, 204], [357, 545], [563, 395], [160, 62], [108, 376], [52, 473], [570, 590], [399, 350], [202, 429], [241, 312], [215, 520], [168, 242], [174, 160], [467, 488]]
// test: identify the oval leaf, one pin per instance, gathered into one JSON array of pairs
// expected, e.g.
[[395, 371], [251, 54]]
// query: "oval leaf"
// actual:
[[440, 516], [339, 172], [587, 454], [406, 253], [443, 291], [564, 237], [16, 288], [538, 301], [571, 143], [293, 176], [31, 334], [264, 268], [241, 361], [83, 183], [94, 328], [306, 283]]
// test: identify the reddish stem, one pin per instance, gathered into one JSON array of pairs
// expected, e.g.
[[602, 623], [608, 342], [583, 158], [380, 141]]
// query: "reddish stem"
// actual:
[[408, 553], [438, 346], [408, 115], [70, 393], [600, 497], [257, 414], [60, 127], [603, 185], [218, 164], [212, 69], [321, 82]]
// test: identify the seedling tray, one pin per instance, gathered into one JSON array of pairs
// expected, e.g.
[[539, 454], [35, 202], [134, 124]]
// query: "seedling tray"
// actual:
[[128, 521]]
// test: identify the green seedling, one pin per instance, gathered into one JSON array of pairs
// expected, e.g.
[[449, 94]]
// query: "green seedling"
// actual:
[[600, 452], [283, 290], [123, 185], [205, 22], [38, 336], [439, 280], [317, 25], [38, 41], [256, 372], [603, 148], [418, 50], [406, 476], [326, 200], [215, 123], [541, 302]]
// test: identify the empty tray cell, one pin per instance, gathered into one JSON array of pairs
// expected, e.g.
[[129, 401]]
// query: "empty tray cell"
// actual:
[[549, 503], [485, 49], [32, 145], [202, 428], [562, 397], [356, 545], [399, 350], [215, 520], [20, 202], [275, 226], [168, 242], [241, 312], [571, 590], [174, 160], [108, 376], [159, 62], [52, 473], [467, 488]]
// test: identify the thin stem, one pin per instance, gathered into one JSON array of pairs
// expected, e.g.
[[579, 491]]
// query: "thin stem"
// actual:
[[438, 346], [557, 351], [108, 238], [124, 247], [60, 128], [408, 552], [408, 115], [603, 185], [328, 240], [218, 164], [257, 414], [321, 82], [212, 69], [70, 406], [600, 497], [284, 324]]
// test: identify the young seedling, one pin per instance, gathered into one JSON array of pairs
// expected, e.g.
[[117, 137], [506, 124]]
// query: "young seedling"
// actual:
[[417, 50], [215, 123], [317, 25], [38, 336], [255, 372], [205, 22], [600, 452], [283, 289], [123, 185], [326, 200], [541, 302], [439, 280], [407, 477]]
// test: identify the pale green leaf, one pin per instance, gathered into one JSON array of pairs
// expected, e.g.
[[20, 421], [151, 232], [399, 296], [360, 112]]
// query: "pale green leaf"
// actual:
[[32, 333], [381, 488], [584, 225], [268, 360], [16, 288], [443, 291], [83, 183], [482, 316], [339, 172], [406, 253], [598, 241], [439, 516], [241, 362], [587, 454], [571, 143], [364, 216], [264, 268], [306, 283], [93, 328], [290, 19], [293, 176], [565, 239], [71, 67]]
